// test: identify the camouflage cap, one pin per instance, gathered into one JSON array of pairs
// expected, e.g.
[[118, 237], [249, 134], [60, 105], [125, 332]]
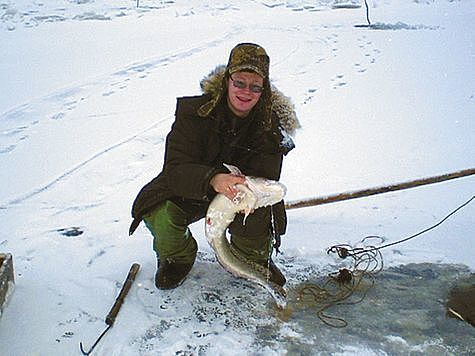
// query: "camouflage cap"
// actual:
[[249, 56]]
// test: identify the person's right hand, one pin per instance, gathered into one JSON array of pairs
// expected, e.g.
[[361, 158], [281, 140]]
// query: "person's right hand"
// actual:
[[225, 183]]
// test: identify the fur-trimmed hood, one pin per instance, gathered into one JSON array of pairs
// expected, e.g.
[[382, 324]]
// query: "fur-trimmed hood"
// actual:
[[281, 105]]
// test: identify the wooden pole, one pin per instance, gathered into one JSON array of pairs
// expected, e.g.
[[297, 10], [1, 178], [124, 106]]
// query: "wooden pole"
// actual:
[[377, 190]]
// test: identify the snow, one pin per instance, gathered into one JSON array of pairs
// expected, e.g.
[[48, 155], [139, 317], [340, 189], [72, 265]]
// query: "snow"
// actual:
[[88, 95]]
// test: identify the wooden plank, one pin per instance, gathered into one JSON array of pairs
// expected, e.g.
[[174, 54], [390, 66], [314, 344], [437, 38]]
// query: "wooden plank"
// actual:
[[7, 279]]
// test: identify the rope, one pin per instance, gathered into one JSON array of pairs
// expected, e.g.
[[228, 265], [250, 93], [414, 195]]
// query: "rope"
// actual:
[[342, 285]]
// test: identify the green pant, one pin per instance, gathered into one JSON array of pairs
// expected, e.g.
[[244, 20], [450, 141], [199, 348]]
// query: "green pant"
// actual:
[[257, 249], [172, 238]]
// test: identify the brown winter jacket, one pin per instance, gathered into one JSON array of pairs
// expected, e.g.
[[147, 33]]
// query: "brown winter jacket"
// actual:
[[197, 147]]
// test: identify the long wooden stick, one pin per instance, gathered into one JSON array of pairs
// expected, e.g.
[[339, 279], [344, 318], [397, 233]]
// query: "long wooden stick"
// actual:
[[377, 190], [110, 318]]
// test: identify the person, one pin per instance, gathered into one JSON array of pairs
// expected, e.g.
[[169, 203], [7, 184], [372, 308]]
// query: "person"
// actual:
[[239, 120]]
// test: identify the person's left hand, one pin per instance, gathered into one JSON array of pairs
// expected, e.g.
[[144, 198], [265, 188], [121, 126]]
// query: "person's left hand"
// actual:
[[225, 183]]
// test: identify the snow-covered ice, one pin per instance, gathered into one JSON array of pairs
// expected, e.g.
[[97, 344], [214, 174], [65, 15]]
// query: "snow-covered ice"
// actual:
[[87, 97]]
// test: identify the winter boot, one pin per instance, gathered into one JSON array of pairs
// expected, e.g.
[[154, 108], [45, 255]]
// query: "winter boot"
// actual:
[[171, 274], [173, 242]]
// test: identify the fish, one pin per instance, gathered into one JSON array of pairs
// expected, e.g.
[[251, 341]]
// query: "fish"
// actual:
[[257, 192]]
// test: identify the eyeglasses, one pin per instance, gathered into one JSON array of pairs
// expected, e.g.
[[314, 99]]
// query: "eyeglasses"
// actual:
[[242, 85]]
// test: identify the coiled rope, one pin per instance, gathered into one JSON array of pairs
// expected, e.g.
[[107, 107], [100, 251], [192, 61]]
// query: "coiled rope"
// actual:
[[340, 287]]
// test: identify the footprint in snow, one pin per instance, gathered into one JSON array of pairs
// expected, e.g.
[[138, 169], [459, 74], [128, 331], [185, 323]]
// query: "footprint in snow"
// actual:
[[11, 137], [95, 257], [359, 68], [7, 149], [310, 95], [339, 82], [58, 116]]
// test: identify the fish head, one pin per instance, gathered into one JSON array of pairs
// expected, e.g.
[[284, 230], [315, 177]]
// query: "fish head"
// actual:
[[266, 191]]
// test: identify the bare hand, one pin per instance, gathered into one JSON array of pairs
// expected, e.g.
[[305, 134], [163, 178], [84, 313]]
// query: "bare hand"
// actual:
[[225, 183]]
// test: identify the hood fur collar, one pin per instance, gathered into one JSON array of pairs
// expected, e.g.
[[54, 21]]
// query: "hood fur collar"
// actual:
[[282, 106]]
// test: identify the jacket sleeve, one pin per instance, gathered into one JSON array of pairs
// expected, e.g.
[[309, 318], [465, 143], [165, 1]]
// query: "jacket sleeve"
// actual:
[[187, 176]]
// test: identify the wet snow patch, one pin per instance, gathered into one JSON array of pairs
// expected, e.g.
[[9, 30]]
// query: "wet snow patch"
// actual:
[[403, 313], [400, 26], [73, 231]]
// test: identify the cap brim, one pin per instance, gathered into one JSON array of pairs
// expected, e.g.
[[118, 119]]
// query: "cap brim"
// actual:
[[246, 68]]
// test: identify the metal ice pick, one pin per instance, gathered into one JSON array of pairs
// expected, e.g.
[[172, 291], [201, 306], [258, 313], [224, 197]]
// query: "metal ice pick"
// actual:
[[110, 318]]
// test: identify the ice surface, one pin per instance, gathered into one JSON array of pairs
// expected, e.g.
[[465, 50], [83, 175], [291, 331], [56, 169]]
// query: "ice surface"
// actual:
[[87, 98]]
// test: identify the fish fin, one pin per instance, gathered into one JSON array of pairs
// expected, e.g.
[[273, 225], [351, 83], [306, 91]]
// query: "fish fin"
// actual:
[[233, 169], [247, 212]]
